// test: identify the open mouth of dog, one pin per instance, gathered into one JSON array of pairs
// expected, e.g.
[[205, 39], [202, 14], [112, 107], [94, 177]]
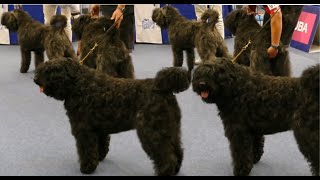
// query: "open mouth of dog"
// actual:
[[203, 90], [41, 89]]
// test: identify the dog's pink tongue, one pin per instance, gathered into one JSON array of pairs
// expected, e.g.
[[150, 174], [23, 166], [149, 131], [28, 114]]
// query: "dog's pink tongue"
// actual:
[[41, 89], [204, 94]]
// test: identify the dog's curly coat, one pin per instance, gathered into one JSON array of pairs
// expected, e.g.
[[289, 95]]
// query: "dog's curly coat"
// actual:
[[245, 27], [252, 105], [37, 37], [185, 35], [111, 56], [99, 105]]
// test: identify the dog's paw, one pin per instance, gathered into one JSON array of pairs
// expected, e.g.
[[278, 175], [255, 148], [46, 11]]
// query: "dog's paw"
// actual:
[[243, 171], [24, 69], [88, 168], [103, 155]]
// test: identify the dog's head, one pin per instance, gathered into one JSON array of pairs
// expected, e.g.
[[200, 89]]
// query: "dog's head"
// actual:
[[80, 24], [13, 19], [162, 16], [216, 80], [57, 77], [236, 18]]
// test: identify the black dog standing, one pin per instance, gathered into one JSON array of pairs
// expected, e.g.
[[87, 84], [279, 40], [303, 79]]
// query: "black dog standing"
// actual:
[[37, 37], [252, 105], [185, 35], [99, 105]]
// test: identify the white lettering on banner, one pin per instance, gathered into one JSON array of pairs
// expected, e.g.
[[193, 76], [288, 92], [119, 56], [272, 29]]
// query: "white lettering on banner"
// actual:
[[302, 27]]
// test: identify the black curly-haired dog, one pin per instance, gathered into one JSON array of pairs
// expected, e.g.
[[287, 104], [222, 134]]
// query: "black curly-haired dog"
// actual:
[[185, 35], [111, 55], [99, 105], [37, 37], [245, 27], [252, 105]]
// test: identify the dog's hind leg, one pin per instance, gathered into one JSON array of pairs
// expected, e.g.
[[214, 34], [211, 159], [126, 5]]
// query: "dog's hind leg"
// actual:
[[87, 146], [157, 142], [25, 60], [177, 56], [104, 142], [160, 150], [308, 143], [258, 144], [241, 146], [39, 58]]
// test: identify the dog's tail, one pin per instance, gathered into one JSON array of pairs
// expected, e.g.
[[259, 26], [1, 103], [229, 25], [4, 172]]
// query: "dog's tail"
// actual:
[[310, 80], [211, 16], [58, 22], [172, 80]]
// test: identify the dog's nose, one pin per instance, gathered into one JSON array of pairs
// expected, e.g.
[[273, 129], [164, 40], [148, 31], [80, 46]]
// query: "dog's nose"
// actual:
[[202, 86]]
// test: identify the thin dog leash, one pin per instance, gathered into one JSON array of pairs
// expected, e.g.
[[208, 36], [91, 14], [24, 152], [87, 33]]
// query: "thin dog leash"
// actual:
[[97, 43], [234, 60]]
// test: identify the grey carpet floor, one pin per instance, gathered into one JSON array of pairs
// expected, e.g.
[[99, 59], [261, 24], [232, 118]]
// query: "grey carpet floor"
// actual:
[[35, 136]]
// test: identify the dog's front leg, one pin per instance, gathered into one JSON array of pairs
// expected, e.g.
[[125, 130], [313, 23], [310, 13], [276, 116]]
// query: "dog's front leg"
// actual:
[[190, 61], [241, 146], [87, 146]]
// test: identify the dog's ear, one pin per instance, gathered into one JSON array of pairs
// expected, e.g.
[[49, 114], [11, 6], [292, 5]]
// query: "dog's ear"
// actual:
[[159, 17], [21, 16]]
